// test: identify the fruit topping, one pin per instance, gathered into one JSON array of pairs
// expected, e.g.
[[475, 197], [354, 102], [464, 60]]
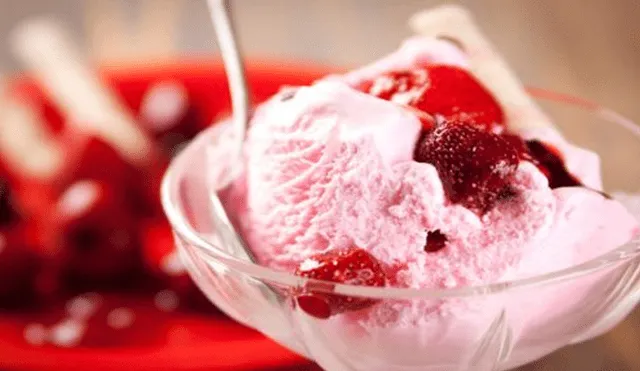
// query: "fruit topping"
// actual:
[[475, 166], [352, 266], [550, 162], [402, 87], [436, 241], [448, 91]]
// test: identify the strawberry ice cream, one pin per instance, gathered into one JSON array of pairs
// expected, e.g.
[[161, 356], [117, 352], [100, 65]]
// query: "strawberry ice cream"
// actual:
[[409, 173], [334, 166], [429, 176]]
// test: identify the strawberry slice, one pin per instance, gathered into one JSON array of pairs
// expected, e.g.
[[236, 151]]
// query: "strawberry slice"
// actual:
[[475, 166], [448, 91], [353, 266]]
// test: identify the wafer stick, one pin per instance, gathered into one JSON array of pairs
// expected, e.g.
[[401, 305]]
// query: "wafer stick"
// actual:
[[47, 51], [456, 24], [25, 144]]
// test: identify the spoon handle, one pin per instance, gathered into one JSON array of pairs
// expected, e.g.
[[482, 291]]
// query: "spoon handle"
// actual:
[[220, 11]]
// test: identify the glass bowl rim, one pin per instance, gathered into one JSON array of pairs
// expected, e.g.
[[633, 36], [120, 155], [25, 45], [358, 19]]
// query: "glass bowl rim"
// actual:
[[183, 230]]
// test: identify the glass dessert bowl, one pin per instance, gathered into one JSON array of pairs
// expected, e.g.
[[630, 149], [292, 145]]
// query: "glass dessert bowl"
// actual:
[[497, 326]]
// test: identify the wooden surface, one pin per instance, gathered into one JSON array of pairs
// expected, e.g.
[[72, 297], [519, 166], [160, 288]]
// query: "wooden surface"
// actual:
[[586, 47]]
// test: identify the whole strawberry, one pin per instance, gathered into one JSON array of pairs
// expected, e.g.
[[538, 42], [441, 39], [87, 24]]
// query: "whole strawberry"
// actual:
[[475, 166], [352, 266], [447, 91]]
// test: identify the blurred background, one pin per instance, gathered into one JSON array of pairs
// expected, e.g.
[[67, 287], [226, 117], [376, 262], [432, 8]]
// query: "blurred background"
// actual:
[[589, 48]]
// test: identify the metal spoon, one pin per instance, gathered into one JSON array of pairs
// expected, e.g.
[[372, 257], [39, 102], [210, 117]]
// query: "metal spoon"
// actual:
[[220, 16]]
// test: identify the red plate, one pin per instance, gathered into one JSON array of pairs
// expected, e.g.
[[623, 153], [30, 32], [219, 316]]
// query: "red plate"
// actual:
[[154, 340]]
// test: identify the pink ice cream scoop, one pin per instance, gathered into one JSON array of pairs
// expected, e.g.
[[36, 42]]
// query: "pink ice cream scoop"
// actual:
[[407, 173]]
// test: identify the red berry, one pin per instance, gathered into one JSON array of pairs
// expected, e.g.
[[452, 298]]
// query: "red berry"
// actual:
[[95, 232], [475, 166], [315, 305], [353, 266], [519, 145], [436, 241], [441, 90], [403, 87]]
